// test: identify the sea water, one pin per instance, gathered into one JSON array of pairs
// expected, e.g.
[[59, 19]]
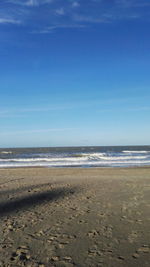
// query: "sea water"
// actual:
[[100, 156]]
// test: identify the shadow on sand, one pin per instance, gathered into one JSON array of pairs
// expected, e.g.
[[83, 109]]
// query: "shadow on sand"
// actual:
[[34, 199], [18, 190]]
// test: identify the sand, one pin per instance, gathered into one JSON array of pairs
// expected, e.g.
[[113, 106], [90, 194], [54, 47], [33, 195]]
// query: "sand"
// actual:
[[75, 217]]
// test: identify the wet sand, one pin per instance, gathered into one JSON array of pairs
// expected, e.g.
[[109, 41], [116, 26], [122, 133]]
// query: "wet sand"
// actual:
[[75, 217]]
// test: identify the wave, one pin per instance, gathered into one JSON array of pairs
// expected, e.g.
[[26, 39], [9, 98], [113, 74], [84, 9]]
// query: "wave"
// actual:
[[81, 158], [6, 152], [39, 159], [136, 151], [123, 158], [77, 164]]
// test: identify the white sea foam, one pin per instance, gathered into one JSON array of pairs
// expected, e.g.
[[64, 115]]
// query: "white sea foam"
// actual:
[[6, 152], [135, 151], [78, 163], [119, 158], [42, 159], [84, 157], [108, 159]]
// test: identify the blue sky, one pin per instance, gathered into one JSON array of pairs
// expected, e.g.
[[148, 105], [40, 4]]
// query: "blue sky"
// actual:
[[74, 72]]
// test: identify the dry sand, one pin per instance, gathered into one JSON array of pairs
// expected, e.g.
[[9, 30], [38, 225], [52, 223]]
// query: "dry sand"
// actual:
[[75, 217]]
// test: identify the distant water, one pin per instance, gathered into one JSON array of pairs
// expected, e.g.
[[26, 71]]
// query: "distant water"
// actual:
[[109, 156]]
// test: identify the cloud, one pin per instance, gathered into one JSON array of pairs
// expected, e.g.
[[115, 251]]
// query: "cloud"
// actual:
[[37, 131], [9, 21], [146, 108], [37, 2], [60, 11], [124, 3], [140, 4], [132, 3], [19, 112], [90, 19], [50, 29], [125, 109], [65, 14], [30, 3], [75, 4]]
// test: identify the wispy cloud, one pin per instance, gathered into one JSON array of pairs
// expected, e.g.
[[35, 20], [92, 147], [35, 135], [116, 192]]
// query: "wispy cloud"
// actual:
[[37, 2], [124, 109], [9, 21], [75, 4], [60, 11], [30, 3], [44, 16], [139, 109], [50, 29], [83, 104], [132, 3], [124, 3], [19, 112], [36, 131], [90, 19]]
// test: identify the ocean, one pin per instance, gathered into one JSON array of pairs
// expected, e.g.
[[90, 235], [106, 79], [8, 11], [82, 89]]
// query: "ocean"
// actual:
[[100, 156]]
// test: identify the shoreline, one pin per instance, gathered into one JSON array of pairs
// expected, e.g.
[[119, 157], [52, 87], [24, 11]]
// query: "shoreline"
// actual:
[[74, 167]]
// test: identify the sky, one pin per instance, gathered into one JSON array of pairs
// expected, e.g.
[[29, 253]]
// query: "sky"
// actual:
[[74, 72]]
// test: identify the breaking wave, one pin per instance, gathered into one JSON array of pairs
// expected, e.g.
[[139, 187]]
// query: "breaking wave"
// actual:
[[5, 152], [135, 152], [124, 158]]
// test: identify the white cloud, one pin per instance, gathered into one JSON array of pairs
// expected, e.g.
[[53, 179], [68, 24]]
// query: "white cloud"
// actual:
[[59, 26], [9, 21], [90, 19], [60, 11], [75, 4], [132, 3], [37, 131], [68, 14], [19, 112], [30, 3], [37, 2], [124, 3]]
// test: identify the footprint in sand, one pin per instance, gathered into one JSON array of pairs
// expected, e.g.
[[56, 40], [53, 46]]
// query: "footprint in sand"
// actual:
[[93, 233], [65, 262], [144, 249], [94, 252], [82, 222], [132, 237], [22, 254]]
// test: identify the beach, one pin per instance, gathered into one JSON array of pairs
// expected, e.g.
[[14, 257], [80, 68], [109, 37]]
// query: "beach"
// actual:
[[75, 217]]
